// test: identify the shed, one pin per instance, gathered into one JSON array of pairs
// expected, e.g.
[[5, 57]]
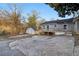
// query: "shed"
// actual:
[[30, 31]]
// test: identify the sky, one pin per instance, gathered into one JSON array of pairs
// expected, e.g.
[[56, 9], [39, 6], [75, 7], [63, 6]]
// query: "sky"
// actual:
[[45, 11]]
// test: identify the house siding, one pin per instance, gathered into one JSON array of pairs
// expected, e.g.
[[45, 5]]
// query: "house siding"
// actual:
[[57, 27], [76, 27]]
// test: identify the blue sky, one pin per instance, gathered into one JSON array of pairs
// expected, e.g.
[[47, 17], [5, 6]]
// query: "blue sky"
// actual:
[[44, 10]]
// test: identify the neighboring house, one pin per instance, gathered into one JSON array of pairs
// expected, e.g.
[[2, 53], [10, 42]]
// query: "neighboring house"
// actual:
[[65, 25]]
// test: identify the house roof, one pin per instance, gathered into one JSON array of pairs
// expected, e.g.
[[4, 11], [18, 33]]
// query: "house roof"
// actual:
[[76, 19], [60, 21]]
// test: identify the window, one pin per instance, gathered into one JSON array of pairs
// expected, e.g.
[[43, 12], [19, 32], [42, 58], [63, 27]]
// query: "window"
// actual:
[[55, 25], [47, 27], [65, 26]]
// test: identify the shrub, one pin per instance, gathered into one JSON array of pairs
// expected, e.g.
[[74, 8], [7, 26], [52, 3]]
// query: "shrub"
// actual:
[[2, 33]]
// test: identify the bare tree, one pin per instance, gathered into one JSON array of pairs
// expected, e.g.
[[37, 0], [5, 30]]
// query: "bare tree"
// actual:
[[13, 18]]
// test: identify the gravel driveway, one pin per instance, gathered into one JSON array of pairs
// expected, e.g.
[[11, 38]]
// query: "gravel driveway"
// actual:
[[45, 46], [5, 50], [39, 46]]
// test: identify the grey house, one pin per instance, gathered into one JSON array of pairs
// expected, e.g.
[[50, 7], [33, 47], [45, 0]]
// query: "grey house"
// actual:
[[65, 25], [76, 25]]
